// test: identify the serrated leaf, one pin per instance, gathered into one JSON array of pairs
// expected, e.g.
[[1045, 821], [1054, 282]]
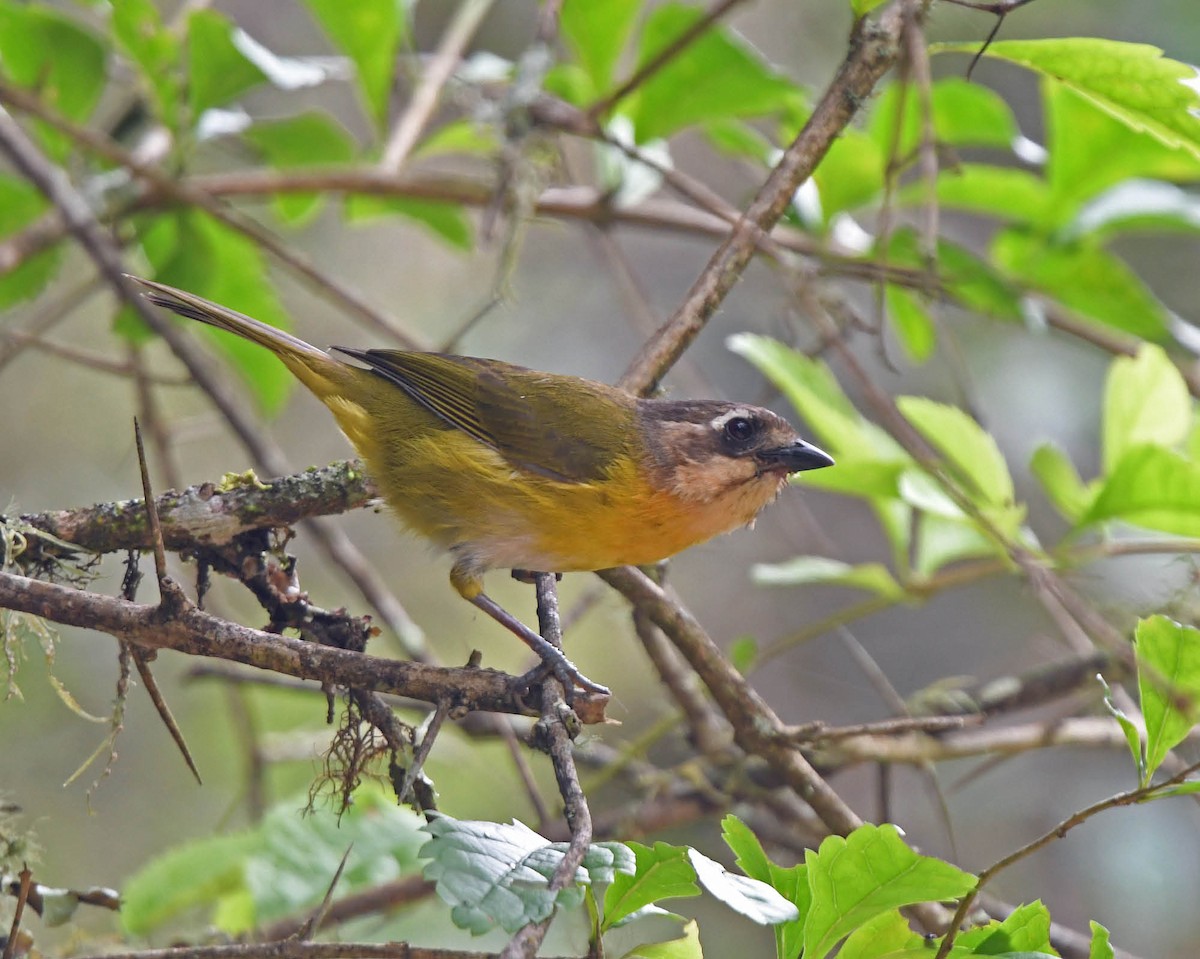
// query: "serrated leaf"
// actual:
[[686, 946], [1026, 930], [1151, 487], [1060, 481], [871, 871], [1084, 277], [218, 72], [717, 75], [1145, 401], [1132, 82], [661, 872], [873, 577], [495, 874], [1133, 736], [1168, 658], [747, 850], [310, 139], [369, 32], [885, 935], [964, 443], [1101, 948]]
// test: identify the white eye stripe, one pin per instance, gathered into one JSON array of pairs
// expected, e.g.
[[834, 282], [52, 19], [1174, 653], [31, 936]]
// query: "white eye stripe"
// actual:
[[718, 422]]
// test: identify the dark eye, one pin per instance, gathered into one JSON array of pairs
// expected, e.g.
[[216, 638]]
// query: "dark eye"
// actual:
[[740, 429]]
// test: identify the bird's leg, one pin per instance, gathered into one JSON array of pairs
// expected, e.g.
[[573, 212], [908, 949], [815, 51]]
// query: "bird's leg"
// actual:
[[466, 579]]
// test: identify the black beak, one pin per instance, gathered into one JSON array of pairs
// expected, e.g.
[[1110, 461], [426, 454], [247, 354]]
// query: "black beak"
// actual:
[[796, 457]]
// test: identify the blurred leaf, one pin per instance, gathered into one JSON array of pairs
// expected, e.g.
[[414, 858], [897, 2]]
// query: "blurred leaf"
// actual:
[[850, 174], [755, 900], [1138, 205], [460, 136], [965, 277], [1151, 487], [1084, 278], [686, 946], [743, 653], [1003, 193], [21, 203], [310, 139], [871, 871], [194, 252], [282, 865], [942, 540], [448, 221], [739, 139], [1145, 401], [801, 570], [964, 443], [596, 32], [494, 874], [58, 59], [1133, 736], [1025, 930], [138, 28], [1091, 151], [369, 32], [1101, 948], [661, 872], [964, 114], [718, 75], [1060, 481], [217, 70], [1168, 658], [1132, 82], [862, 7], [912, 323]]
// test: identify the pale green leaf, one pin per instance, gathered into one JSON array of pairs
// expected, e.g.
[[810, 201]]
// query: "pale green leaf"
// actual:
[[218, 71], [686, 946], [369, 32], [1060, 481], [965, 444], [801, 570], [1145, 401], [1133, 736], [21, 203], [1025, 930], [137, 26], [862, 7], [1101, 948], [1151, 487], [911, 320], [1168, 658], [596, 33], [885, 935]]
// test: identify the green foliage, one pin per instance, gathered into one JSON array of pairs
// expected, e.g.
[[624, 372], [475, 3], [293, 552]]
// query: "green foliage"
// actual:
[[217, 71], [309, 139], [279, 868], [1168, 658]]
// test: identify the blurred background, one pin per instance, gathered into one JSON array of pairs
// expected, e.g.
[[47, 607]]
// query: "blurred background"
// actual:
[[67, 441]]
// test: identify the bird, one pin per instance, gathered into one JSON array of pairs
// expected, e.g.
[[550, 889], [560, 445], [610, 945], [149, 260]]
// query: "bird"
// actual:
[[505, 467]]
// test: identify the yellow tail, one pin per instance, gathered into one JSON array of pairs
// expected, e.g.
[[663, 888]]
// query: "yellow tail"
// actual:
[[315, 368]]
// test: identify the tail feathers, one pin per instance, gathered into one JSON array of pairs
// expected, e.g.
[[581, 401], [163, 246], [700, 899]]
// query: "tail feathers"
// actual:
[[284, 345]]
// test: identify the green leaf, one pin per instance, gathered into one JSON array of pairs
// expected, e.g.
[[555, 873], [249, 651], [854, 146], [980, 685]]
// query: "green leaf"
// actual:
[[661, 872], [596, 33], [942, 540], [686, 946], [280, 867], [138, 28], [1001, 193], [1151, 487], [850, 175], [447, 221], [873, 577], [747, 850], [871, 871], [885, 935], [460, 136], [1060, 481], [913, 325], [1101, 948], [718, 75], [755, 900], [1168, 658], [1026, 930], [965, 277], [1145, 401], [494, 874], [218, 72], [194, 252], [1133, 736], [21, 204], [46, 51], [965, 445], [1132, 82], [369, 32], [310, 139], [1083, 277], [964, 114], [862, 7]]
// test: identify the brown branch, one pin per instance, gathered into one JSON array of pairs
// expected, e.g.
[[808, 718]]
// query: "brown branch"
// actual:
[[378, 899], [194, 632], [299, 949]]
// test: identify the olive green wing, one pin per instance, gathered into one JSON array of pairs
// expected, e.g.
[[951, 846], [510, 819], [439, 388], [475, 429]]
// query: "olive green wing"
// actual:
[[560, 427]]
